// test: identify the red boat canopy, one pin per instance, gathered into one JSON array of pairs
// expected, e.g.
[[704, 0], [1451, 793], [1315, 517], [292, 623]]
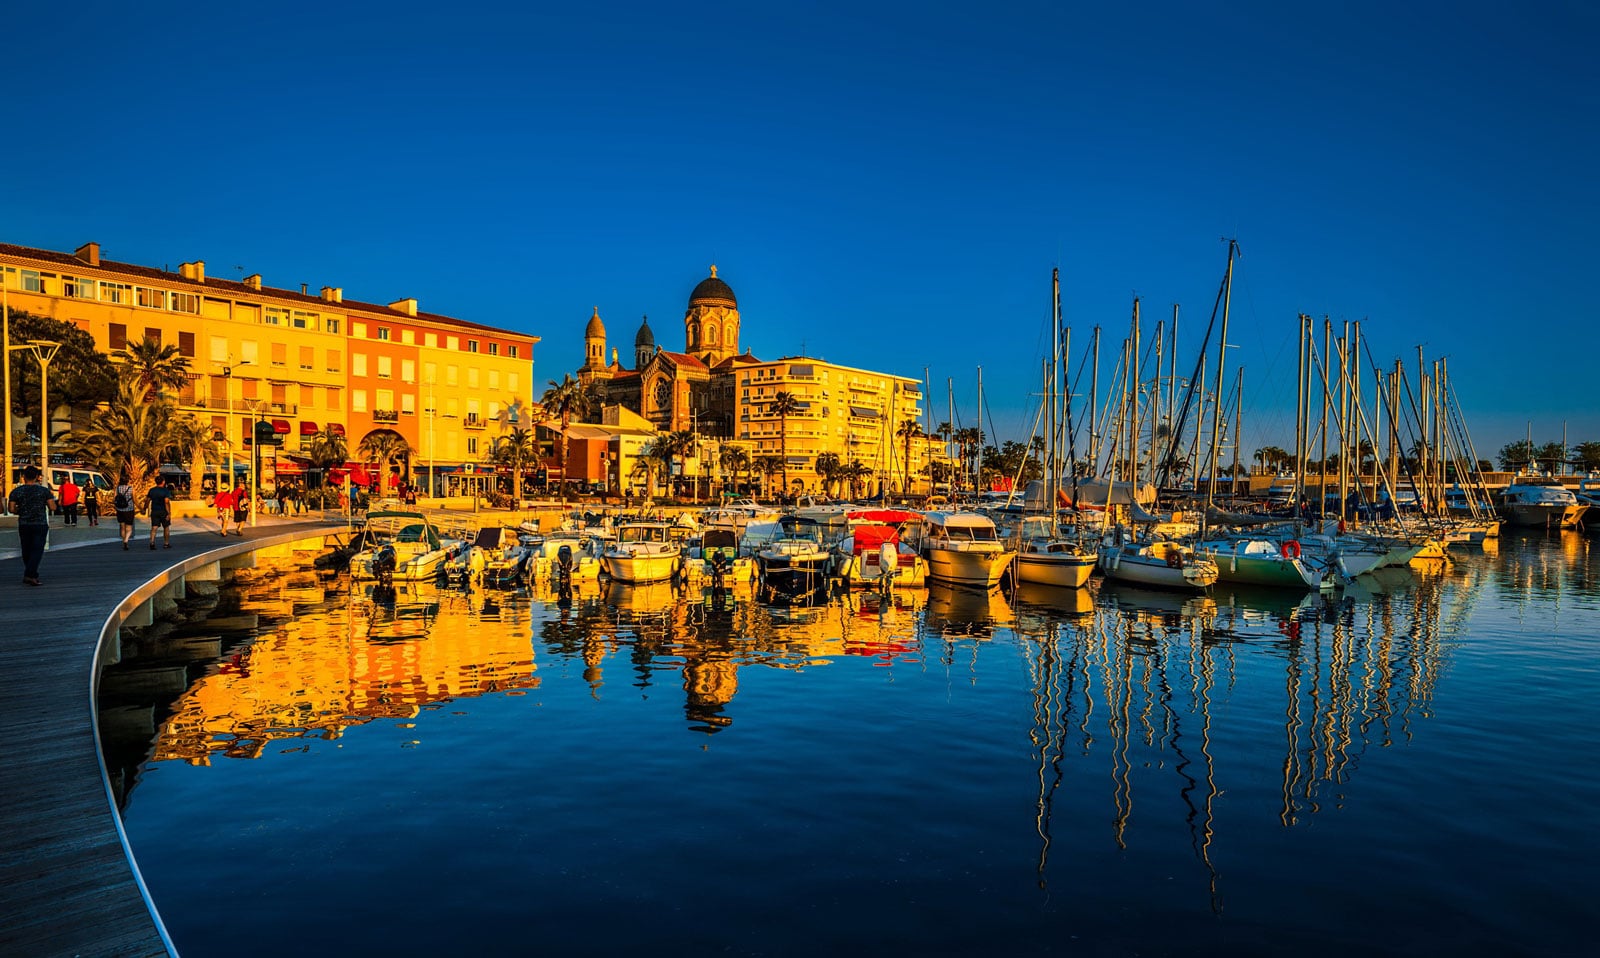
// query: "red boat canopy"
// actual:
[[885, 516], [869, 538]]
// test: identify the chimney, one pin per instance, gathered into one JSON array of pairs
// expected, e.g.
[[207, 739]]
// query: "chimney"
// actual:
[[407, 306], [253, 281], [195, 270], [333, 294], [89, 253]]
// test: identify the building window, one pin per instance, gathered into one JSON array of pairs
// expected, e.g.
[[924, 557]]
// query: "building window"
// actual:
[[472, 445], [408, 370], [451, 410], [494, 349], [383, 333], [183, 302], [514, 351], [452, 342], [472, 377], [494, 409], [333, 360], [450, 375], [308, 357], [274, 316], [358, 364], [408, 336], [332, 325], [335, 397], [385, 367], [512, 381], [472, 345], [77, 288], [303, 320], [117, 335], [219, 349], [494, 379], [280, 354], [358, 400], [31, 283], [385, 399], [249, 351], [472, 410], [408, 404], [150, 298], [430, 340], [186, 344]]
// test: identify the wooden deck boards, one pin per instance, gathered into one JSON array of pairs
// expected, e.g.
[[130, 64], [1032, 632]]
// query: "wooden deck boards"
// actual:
[[66, 885]]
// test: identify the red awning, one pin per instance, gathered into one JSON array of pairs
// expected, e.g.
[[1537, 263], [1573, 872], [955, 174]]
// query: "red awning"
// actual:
[[280, 426], [336, 429], [289, 467], [308, 428]]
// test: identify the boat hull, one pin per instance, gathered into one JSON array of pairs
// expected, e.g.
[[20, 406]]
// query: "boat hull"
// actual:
[[794, 575], [636, 568], [968, 567], [1543, 515], [1276, 571], [1055, 568], [1140, 569]]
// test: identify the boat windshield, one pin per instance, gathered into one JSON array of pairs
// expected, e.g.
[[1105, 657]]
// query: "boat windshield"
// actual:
[[642, 534], [969, 533]]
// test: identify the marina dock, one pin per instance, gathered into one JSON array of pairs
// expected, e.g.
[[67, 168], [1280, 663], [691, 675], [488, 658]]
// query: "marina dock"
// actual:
[[68, 885]]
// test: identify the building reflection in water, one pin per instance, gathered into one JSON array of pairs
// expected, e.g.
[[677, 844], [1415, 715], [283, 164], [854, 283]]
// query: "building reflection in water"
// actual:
[[1124, 684]]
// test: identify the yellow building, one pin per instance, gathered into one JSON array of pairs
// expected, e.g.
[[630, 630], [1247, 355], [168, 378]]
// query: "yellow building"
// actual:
[[856, 414], [308, 363]]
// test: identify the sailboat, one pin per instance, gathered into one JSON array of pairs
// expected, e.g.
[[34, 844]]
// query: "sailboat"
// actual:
[[1044, 555]]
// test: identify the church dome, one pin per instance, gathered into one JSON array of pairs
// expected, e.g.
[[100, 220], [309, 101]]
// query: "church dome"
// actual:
[[645, 336], [712, 292], [596, 329]]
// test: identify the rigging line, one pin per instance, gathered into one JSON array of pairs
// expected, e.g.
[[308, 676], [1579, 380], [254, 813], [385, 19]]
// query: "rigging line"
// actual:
[[1194, 380]]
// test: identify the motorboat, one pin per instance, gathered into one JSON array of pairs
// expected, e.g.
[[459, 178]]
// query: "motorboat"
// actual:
[[498, 557], [717, 560], [873, 554], [796, 563], [1164, 563], [643, 552], [401, 544], [964, 547], [569, 553], [1541, 501], [1047, 557], [1255, 559]]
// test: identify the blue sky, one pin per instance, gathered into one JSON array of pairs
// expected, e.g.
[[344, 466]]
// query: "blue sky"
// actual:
[[883, 185]]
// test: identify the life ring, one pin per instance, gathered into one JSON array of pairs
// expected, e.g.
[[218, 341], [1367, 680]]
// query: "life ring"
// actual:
[[1174, 559], [1291, 549]]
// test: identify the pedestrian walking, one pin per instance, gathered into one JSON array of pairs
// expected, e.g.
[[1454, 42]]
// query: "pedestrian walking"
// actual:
[[32, 503], [122, 503], [241, 508], [161, 512], [91, 503], [224, 503], [69, 495]]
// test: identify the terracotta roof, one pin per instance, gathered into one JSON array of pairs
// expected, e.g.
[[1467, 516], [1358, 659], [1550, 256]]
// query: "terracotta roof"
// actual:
[[626, 374], [735, 360], [74, 264], [684, 359]]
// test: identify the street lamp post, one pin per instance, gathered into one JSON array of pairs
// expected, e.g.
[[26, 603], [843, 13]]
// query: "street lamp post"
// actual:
[[227, 404], [45, 350], [5, 357]]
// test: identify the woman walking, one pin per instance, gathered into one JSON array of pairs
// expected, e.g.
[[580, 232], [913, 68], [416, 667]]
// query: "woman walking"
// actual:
[[91, 503], [123, 505]]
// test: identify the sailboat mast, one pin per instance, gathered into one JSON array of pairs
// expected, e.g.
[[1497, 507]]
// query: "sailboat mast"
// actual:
[[1301, 411], [1222, 348], [977, 454], [1134, 390], [1053, 472], [1238, 433]]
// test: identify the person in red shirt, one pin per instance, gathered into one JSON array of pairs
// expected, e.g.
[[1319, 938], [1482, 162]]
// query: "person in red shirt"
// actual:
[[69, 494], [224, 504]]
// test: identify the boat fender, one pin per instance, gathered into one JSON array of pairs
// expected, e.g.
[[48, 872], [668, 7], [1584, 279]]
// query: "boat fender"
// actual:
[[1175, 558], [1341, 527], [1291, 549]]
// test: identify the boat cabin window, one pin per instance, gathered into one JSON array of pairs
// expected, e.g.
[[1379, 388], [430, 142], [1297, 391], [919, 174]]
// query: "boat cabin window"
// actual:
[[968, 533], [642, 534]]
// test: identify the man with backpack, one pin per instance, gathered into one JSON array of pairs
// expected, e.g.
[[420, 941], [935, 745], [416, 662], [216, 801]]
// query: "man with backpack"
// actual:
[[161, 512], [122, 504]]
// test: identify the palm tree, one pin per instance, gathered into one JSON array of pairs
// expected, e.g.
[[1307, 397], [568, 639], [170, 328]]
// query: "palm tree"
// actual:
[[382, 448], [968, 441], [197, 440], [515, 450], [156, 368], [566, 399], [784, 405], [856, 473], [909, 430], [681, 445], [768, 465], [828, 469], [129, 434], [327, 451], [735, 460]]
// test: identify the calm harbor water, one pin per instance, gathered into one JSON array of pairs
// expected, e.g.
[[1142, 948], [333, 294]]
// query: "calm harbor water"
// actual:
[[1404, 768]]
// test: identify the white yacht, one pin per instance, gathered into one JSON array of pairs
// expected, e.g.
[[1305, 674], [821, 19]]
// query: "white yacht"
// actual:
[[643, 552], [1047, 557], [1540, 501], [964, 547]]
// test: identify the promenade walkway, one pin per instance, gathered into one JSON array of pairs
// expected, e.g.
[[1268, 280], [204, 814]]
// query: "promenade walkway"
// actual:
[[66, 884]]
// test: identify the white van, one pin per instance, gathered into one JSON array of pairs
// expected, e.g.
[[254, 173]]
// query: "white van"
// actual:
[[81, 476]]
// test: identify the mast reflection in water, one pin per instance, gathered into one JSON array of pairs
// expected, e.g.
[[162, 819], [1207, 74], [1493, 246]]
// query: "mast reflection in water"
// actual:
[[1389, 769]]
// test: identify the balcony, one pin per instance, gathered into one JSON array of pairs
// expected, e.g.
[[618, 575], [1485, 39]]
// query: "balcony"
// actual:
[[473, 422], [385, 415], [250, 406]]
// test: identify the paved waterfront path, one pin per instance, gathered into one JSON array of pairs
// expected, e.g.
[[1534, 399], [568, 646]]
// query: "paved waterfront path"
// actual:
[[66, 886]]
